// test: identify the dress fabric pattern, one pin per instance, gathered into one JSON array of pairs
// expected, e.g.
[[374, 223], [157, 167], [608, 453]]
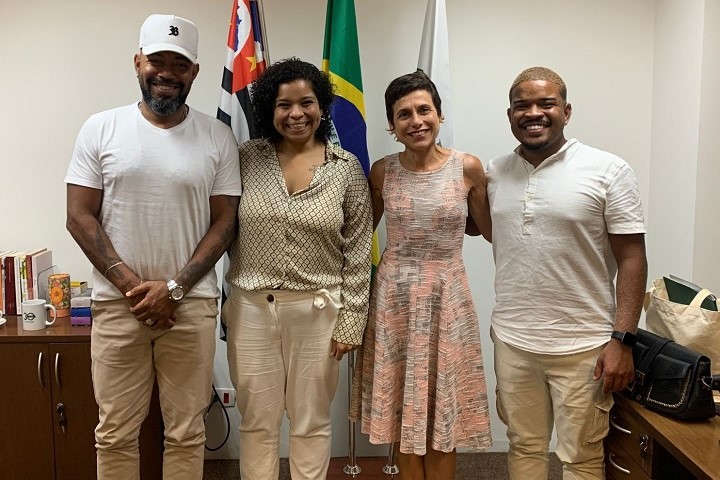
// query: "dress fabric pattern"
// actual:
[[419, 378]]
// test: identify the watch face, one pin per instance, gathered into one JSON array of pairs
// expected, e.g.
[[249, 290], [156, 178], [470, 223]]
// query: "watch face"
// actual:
[[177, 294]]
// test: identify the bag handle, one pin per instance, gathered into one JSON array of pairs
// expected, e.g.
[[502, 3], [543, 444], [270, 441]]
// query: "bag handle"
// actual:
[[701, 295], [712, 382], [646, 302]]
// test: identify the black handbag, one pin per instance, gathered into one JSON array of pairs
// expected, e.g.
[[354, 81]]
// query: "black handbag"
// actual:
[[672, 379]]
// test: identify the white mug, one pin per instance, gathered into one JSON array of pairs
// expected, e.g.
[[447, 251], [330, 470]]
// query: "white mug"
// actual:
[[34, 314]]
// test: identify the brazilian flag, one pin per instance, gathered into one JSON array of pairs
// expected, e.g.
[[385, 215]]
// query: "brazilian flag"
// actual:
[[341, 60]]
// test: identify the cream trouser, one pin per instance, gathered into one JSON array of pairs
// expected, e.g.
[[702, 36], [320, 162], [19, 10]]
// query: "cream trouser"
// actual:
[[278, 351], [533, 392], [127, 356]]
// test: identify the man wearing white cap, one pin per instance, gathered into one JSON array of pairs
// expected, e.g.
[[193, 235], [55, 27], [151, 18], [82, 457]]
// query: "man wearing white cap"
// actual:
[[152, 196]]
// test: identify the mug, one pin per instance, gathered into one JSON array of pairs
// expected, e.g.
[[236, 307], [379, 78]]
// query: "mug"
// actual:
[[34, 314]]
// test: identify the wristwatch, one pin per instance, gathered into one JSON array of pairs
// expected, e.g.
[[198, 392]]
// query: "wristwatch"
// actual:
[[175, 291], [626, 338]]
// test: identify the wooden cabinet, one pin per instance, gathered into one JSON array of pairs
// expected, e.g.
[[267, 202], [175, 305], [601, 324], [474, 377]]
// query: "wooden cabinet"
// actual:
[[644, 445], [48, 411], [628, 447], [26, 443], [48, 408]]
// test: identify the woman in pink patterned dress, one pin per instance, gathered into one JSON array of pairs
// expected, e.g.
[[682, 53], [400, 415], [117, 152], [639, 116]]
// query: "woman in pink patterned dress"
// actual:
[[419, 381]]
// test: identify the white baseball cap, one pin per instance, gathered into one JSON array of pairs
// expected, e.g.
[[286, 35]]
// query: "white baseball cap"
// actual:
[[161, 33]]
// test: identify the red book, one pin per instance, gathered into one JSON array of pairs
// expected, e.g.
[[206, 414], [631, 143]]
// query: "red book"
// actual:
[[10, 305], [31, 273], [3, 254]]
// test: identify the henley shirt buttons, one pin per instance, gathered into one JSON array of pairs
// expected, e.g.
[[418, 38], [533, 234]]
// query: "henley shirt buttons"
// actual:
[[270, 298]]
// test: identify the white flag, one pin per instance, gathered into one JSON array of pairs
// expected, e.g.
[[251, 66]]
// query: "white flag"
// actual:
[[434, 60]]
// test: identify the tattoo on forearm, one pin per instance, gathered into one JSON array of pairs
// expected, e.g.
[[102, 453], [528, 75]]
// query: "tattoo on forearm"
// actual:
[[95, 246], [197, 267], [228, 235]]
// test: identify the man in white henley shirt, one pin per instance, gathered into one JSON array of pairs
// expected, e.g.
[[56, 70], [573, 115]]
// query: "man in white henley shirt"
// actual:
[[567, 219]]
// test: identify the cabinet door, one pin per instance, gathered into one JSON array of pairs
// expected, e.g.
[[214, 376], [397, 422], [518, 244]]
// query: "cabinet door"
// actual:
[[26, 441], [75, 455], [72, 388]]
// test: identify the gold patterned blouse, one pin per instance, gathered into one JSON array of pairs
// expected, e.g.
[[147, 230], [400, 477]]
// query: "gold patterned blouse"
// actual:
[[318, 237]]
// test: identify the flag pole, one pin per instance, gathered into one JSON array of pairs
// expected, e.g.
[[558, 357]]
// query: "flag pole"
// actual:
[[391, 467], [265, 45], [341, 61], [352, 468]]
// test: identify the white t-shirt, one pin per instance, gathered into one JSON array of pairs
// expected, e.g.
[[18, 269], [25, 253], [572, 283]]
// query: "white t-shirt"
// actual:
[[555, 270], [156, 186]]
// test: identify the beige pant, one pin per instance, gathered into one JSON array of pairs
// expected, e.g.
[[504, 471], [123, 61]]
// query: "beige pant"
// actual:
[[278, 351], [127, 356], [533, 392]]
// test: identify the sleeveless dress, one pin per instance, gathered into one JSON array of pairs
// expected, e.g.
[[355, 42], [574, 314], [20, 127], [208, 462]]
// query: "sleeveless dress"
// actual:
[[419, 376]]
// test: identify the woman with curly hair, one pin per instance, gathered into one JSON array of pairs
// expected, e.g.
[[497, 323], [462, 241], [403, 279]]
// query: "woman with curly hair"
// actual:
[[299, 274]]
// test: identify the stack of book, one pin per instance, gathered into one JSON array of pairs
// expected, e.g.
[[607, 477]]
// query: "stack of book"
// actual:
[[23, 277], [80, 308]]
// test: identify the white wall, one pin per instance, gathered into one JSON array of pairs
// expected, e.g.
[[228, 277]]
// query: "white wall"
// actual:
[[684, 233], [707, 227], [675, 118], [62, 61]]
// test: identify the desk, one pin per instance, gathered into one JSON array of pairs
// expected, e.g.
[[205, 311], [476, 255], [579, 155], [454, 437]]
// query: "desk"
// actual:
[[40, 371], [649, 445], [60, 331]]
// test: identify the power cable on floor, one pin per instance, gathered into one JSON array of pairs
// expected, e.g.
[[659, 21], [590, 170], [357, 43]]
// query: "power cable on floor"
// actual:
[[216, 398]]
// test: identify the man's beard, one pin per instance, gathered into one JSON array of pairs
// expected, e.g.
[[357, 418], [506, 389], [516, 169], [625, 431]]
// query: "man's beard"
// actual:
[[162, 106], [533, 147]]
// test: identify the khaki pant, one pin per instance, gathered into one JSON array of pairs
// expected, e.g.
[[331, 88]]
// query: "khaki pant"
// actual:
[[533, 392], [127, 356], [278, 351]]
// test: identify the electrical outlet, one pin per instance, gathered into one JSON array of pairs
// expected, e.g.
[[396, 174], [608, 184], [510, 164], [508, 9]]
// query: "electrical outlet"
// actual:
[[227, 396]]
